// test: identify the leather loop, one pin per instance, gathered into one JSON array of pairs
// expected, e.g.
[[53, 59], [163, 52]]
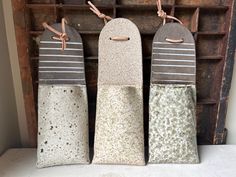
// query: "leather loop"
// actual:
[[61, 36], [95, 10], [161, 13], [120, 38], [174, 40]]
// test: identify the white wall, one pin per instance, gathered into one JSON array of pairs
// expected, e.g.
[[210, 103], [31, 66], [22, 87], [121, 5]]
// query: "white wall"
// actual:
[[10, 33], [231, 113], [9, 132]]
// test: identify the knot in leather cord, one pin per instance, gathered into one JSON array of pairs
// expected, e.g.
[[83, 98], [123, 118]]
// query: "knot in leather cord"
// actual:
[[61, 36], [161, 13], [95, 10]]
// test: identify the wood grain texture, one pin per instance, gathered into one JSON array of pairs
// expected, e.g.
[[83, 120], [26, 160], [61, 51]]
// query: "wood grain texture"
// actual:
[[25, 68], [230, 43], [209, 22]]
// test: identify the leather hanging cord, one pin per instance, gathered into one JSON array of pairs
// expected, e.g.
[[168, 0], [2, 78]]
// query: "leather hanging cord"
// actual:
[[98, 13], [119, 38], [161, 13], [61, 36], [106, 18], [174, 40]]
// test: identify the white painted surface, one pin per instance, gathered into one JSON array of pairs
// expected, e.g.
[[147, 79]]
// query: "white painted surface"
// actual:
[[11, 43], [216, 161], [231, 112], [9, 132]]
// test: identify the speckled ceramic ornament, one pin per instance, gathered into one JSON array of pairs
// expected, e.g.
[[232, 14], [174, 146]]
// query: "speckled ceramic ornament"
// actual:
[[119, 135], [62, 101], [172, 102]]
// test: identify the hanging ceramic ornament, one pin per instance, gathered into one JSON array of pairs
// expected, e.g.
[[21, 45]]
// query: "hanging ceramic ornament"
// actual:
[[172, 102], [119, 135], [62, 98]]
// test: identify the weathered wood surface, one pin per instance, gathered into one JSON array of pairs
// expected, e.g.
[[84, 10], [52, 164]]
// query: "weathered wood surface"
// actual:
[[209, 22], [22, 38], [220, 132]]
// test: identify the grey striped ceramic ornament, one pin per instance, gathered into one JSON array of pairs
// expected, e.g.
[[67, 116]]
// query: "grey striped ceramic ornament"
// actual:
[[173, 62], [62, 101], [172, 101], [57, 66]]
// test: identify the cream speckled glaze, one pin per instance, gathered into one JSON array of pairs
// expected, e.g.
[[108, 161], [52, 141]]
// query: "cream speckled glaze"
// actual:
[[62, 102], [119, 135]]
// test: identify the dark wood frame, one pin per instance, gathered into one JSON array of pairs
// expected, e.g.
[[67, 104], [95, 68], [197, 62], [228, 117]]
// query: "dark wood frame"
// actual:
[[217, 27], [220, 130]]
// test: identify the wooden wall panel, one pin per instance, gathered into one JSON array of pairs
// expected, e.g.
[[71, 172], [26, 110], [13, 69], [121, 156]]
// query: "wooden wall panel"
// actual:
[[22, 38], [209, 21]]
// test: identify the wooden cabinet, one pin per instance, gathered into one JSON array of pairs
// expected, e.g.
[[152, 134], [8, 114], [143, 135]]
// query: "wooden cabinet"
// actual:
[[211, 22]]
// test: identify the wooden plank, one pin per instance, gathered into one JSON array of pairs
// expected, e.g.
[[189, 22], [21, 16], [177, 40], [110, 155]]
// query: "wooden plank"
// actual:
[[24, 62], [226, 79], [209, 22]]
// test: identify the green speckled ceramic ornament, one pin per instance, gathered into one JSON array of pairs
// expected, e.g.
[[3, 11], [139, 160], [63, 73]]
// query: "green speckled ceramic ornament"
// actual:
[[172, 101]]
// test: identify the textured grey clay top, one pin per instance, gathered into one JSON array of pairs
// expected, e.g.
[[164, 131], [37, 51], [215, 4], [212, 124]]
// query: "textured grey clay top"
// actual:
[[118, 58]]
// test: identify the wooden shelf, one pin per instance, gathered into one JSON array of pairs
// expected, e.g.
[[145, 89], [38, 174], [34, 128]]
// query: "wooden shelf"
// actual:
[[34, 58], [133, 7], [209, 22], [211, 33], [142, 33], [91, 58], [89, 32], [35, 6], [206, 101], [210, 57], [67, 6], [36, 33], [145, 7], [84, 7], [148, 33], [202, 7]]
